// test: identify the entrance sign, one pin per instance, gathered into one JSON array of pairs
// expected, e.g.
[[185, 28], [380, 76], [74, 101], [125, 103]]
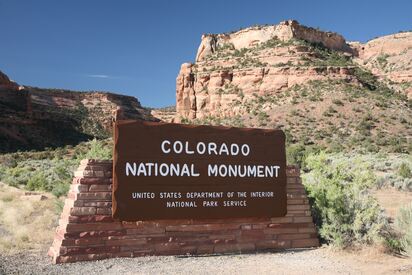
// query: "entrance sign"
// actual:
[[176, 171]]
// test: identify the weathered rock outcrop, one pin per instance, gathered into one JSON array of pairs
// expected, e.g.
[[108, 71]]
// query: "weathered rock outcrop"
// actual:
[[232, 68], [35, 118], [312, 84], [389, 57], [284, 31], [256, 60], [204, 94], [98, 106], [166, 114]]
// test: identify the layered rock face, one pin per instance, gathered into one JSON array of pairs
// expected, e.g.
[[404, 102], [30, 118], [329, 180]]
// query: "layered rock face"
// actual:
[[263, 60], [99, 106], [284, 31], [316, 87], [35, 118], [257, 60], [389, 57], [166, 114]]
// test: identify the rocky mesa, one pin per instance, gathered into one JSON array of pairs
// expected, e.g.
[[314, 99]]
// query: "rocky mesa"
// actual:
[[35, 118], [311, 83], [388, 57]]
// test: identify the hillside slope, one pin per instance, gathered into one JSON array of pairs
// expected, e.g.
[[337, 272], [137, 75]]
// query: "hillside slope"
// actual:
[[35, 118], [302, 80], [390, 58]]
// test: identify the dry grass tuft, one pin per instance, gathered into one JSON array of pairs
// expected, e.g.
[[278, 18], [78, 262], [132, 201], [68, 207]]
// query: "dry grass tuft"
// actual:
[[25, 223]]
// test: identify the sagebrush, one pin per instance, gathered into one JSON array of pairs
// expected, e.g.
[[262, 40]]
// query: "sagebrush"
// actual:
[[344, 210]]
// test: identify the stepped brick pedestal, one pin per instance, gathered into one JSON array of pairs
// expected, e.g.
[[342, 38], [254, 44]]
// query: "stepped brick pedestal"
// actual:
[[87, 230]]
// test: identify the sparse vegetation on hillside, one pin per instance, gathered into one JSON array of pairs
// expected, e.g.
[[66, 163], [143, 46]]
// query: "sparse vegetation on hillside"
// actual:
[[234, 121], [324, 56], [338, 114], [171, 108], [50, 170], [320, 56]]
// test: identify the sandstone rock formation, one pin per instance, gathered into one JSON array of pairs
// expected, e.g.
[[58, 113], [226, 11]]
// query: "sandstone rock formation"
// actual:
[[284, 31], [256, 60], [166, 114], [98, 106], [312, 84], [389, 57], [34, 118]]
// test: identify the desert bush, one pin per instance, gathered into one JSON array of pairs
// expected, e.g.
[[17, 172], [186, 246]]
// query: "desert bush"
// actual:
[[297, 153], [337, 102], [391, 179], [382, 60], [240, 53], [51, 172], [344, 210], [51, 175], [262, 118], [404, 225], [61, 188], [37, 181], [97, 151], [366, 78], [325, 56], [405, 171], [329, 111]]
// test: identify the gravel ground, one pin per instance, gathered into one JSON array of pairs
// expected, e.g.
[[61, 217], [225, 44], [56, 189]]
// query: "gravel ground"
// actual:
[[321, 260]]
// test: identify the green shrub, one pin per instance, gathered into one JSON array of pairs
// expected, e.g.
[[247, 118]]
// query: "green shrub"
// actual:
[[344, 211], [405, 171], [394, 243], [382, 60], [404, 224], [337, 102], [366, 78], [263, 117], [51, 170], [98, 151], [297, 153], [61, 188], [37, 182], [59, 205]]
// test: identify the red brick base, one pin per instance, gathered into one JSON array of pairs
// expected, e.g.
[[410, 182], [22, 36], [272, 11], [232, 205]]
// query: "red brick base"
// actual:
[[87, 231]]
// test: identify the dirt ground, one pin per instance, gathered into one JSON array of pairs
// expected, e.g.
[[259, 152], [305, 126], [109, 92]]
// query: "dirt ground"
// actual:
[[392, 199], [25, 252], [317, 261]]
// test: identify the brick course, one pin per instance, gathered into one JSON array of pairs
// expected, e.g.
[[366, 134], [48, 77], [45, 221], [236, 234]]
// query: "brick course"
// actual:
[[87, 230]]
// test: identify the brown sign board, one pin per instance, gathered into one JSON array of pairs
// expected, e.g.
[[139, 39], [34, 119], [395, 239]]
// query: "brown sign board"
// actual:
[[176, 171]]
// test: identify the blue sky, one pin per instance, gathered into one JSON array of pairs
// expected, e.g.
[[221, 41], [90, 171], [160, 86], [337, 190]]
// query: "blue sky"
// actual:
[[137, 47]]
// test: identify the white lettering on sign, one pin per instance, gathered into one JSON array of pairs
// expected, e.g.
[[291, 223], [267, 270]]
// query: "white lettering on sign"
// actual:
[[163, 146], [211, 148], [213, 170], [162, 169], [250, 171], [201, 148], [245, 150], [148, 169]]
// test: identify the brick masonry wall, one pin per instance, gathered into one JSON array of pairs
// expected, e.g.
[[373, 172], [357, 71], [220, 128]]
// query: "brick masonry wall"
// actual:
[[86, 230]]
